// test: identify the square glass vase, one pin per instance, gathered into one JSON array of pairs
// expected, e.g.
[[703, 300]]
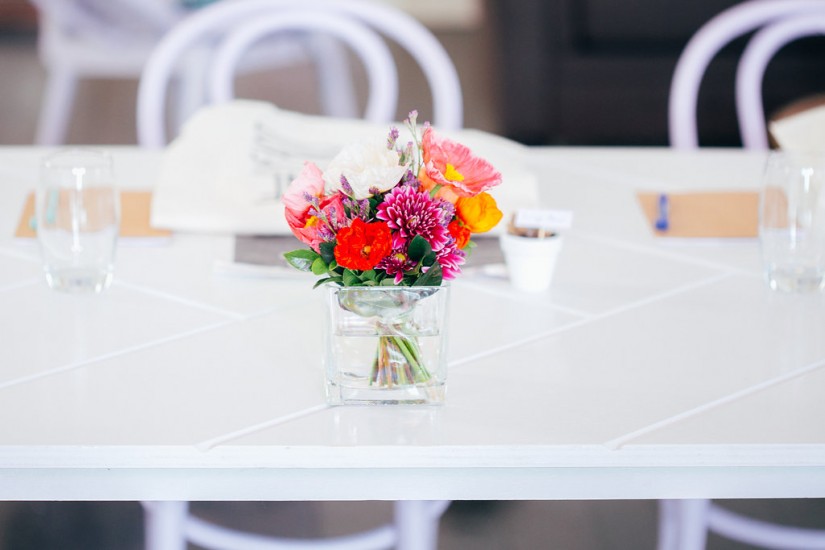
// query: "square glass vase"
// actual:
[[386, 344]]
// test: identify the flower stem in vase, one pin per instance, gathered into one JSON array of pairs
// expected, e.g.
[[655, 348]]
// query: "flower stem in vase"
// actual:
[[398, 362]]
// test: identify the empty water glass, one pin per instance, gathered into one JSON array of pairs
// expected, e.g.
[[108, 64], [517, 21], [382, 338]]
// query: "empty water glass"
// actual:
[[78, 213], [792, 221]]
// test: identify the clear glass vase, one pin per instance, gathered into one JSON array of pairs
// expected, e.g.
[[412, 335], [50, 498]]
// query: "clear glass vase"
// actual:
[[386, 345]]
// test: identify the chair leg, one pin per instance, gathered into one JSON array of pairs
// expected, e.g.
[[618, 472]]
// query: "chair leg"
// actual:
[[56, 107], [668, 525], [683, 524], [417, 523], [165, 525]]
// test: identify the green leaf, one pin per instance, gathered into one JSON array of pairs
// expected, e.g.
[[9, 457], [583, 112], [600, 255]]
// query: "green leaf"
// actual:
[[350, 278], [429, 259], [432, 277], [327, 249], [369, 275], [301, 259], [320, 282], [418, 248], [319, 266], [325, 280]]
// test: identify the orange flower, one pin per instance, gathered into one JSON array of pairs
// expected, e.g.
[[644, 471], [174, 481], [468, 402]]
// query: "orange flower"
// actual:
[[453, 166], [362, 245], [479, 213], [460, 233]]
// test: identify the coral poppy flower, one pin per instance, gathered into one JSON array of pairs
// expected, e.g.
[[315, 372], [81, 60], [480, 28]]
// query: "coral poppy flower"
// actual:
[[479, 213], [362, 245], [453, 166], [298, 200]]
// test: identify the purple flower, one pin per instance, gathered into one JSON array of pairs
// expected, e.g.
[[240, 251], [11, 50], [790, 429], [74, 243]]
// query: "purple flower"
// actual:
[[392, 138], [396, 264], [409, 212], [450, 258]]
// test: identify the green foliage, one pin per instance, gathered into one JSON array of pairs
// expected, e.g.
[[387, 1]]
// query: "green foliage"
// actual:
[[301, 259], [427, 271]]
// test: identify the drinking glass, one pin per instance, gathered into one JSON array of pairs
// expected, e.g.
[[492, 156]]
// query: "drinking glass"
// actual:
[[78, 213], [792, 221]]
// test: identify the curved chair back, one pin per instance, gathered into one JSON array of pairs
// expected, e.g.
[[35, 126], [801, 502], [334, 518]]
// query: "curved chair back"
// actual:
[[382, 97], [751, 71], [85, 39], [434, 61], [705, 44]]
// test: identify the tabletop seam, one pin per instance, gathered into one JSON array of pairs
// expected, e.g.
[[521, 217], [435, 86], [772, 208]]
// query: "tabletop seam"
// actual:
[[225, 438], [113, 354], [665, 253], [594, 317], [618, 442], [181, 300]]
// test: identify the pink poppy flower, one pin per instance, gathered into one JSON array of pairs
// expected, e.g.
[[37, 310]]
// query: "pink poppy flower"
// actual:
[[453, 166], [311, 216]]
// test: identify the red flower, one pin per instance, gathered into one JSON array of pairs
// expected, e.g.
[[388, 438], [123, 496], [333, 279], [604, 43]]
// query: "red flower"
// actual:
[[460, 233], [362, 245]]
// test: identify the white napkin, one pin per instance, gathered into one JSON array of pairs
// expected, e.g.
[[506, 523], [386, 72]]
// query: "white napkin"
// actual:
[[209, 181], [804, 131]]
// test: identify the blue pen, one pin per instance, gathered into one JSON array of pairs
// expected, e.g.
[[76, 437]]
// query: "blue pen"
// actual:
[[662, 221]]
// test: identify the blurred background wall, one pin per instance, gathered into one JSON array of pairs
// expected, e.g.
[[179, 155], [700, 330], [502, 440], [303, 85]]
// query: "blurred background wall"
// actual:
[[578, 72], [597, 72]]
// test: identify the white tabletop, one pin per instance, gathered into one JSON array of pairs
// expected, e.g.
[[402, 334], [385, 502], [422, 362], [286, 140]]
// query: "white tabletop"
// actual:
[[650, 369]]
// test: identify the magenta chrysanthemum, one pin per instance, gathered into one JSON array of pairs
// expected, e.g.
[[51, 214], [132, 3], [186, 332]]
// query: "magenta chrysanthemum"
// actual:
[[450, 258], [396, 264], [409, 212]]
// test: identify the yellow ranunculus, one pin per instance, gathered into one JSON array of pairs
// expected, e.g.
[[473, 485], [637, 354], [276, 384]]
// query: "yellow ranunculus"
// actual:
[[478, 213]]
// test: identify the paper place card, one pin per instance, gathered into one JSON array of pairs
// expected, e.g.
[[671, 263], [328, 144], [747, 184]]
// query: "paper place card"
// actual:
[[135, 207], [548, 220], [723, 214]]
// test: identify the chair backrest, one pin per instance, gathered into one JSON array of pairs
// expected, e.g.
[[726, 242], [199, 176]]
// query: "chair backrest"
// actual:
[[382, 75], [71, 28], [705, 44], [238, 20], [751, 71], [105, 16]]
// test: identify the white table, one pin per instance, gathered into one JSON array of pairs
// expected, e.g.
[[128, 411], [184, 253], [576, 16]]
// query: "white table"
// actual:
[[650, 369]]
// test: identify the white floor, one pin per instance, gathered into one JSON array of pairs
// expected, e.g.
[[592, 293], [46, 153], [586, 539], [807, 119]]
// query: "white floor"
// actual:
[[104, 114]]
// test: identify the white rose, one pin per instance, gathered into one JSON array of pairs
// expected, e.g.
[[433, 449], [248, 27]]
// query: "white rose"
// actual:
[[366, 165]]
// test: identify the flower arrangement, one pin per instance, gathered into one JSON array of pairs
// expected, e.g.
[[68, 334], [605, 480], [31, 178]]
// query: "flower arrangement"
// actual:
[[382, 214], [386, 214]]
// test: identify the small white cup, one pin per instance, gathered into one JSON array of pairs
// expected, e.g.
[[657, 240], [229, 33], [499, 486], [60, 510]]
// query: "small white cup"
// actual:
[[78, 213], [792, 222], [531, 261]]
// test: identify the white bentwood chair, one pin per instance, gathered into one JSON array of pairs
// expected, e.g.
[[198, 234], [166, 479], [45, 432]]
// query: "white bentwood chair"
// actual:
[[403, 29], [684, 524], [725, 27], [169, 525], [233, 28], [112, 39]]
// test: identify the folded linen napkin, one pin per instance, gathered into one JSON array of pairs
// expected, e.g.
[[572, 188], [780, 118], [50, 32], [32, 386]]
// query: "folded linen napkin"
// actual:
[[210, 180]]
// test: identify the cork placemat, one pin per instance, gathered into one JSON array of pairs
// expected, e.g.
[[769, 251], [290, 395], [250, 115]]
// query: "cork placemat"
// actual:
[[725, 214], [135, 208]]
